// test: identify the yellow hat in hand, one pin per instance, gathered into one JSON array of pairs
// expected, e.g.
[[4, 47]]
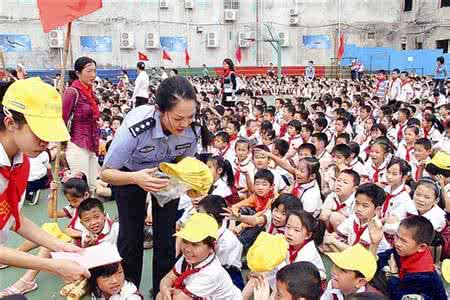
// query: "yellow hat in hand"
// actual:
[[441, 160], [356, 258], [41, 105], [191, 171], [446, 270], [267, 252], [198, 227], [53, 229]]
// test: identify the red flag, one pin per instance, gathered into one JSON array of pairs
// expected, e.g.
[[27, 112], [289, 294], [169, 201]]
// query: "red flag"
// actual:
[[238, 54], [142, 56], [58, 13], [166, 55], [187, 58], [340, 52]]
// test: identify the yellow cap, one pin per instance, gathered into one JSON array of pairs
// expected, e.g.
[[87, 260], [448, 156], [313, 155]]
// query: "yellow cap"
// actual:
[[192, 171], [356, 258], [441, 160], [446, 270], [53, 229], [41, 105], [198, 227], [267, 252]]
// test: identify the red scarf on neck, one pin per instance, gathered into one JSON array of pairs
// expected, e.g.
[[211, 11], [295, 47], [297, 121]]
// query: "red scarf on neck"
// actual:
[[17, 178], [293, 251], [418, 262], [358, 230], [88, 92], [226, 73], [376, 174], [233, 137], [408, 152], [387, 201], [261, 203], [179, 282], [400, 133], [283, 130]]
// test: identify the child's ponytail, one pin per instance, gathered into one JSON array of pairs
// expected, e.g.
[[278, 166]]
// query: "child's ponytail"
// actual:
[[313, 226], [227, 170]]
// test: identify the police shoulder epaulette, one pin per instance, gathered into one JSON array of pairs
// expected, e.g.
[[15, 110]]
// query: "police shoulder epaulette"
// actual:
[[142, 126]]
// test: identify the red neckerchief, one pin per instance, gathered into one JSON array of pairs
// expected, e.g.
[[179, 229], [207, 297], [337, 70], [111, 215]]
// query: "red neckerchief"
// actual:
[[222, 153], [17, 177], [404, 82], [263, 202], [388, 199], [272, 228], [377, 173], [419, 172], [283, 130], [248, 133], [88, 92], [416, 263], [179, 282], [233, 137], [293, 252], [425, 132], [225, 74], [378, 85], [299, 190], [102, 235], [237, 175], [339, 205], [408, 152], [358, 230], [400, 132]]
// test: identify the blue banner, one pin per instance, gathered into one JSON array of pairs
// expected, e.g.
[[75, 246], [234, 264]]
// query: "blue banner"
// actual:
[[173, 43], [316, 41], [15, 43], [96, 43]]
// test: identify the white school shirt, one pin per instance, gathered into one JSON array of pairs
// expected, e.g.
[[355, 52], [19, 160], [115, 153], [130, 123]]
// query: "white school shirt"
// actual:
[[392, 135], [210, 283], [330, 292], [406, 92], [332, 201], [400, 205], [357, 166], [415, 171], [381, 170], [5, 162], [324, 159], [220, 188], [394, 89], [311, 198], [246, 165], [128, 292], [346, 230], [229, 248], [403, 150], [437, 217], [110, 233], [294, 144], [38, 166], [434, 135]]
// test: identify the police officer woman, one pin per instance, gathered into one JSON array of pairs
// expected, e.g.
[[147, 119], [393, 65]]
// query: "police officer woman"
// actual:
[[150, 135]]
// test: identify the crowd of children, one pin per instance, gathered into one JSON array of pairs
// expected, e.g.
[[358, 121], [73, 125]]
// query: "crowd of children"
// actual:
[[357, 172]]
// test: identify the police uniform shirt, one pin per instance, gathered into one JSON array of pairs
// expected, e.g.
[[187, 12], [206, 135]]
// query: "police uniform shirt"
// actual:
[[229, 248], [140, 142]]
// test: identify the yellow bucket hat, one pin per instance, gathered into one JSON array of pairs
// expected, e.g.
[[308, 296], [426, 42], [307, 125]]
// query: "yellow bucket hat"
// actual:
[[53, 229], [267, 252], [356, 258], [446, 270], [441, 160], [198, 227], [191, 171], [41, 105]]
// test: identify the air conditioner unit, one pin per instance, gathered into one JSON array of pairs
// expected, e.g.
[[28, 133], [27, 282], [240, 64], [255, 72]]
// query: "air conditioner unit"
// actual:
[[56, 38], [163, 3], [189, 4], [151, 40], [230, 14], [243, 40], [293, 12], [293, 20], [212, 40], [371, 35], [284, 38], [126, 40]]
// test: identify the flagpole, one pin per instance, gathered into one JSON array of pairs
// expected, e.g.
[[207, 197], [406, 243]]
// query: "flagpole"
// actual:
[[339, 35], [2, 60], [61, 91]]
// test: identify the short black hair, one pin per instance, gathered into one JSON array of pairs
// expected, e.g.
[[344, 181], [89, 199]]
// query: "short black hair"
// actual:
[[140, 65], [421, 228], [373, 191], [282, 146], [322, 122], [90, 203], [404, 166], [321, 137], [289, 201], [302, 280], [308, 146], [224, 136], [213, 206], [354, 174], [343, 120], [342, 149], [426, 143], [344, 135], [296, 124], [266, 175]]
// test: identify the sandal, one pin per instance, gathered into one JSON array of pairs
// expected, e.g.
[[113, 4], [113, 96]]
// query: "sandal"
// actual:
[[3, 266], [9, 291]]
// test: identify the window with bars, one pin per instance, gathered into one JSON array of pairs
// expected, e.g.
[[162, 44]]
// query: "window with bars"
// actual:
[[231, 4], [445, 3], [408, 5]]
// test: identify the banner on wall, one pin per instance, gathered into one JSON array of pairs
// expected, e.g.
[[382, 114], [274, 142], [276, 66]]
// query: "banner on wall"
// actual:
[[316, 41], [96, 43], [15, 43], [173, 43]]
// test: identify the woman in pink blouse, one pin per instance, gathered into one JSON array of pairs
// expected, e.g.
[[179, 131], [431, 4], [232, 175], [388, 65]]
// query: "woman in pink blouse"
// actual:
[[80, 109]]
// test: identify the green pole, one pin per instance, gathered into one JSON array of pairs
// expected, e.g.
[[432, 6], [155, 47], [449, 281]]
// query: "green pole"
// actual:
[[279, 60]]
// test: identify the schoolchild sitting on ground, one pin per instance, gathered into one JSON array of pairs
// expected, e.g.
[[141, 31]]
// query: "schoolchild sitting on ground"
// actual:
[[243, 167], [422, 155], [341, 157], [380, 155], [410, 264], [223, 185], [261, 160], [198, 273]]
